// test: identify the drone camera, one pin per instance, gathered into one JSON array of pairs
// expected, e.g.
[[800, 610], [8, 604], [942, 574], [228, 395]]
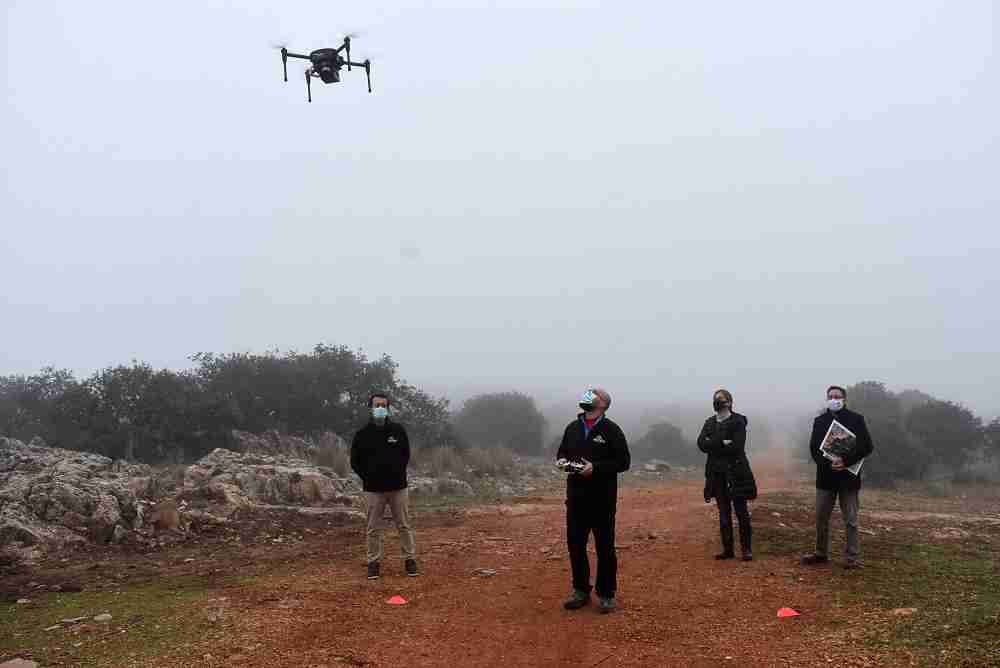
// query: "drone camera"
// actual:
[[328, 74], [327, 64]]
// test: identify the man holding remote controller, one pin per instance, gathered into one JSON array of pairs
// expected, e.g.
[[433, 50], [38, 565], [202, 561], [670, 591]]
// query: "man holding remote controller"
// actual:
[[599, 445]]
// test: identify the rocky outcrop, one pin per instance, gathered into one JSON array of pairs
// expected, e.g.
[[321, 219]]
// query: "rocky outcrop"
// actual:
[[233, 480], [52, 498], [276, 444]]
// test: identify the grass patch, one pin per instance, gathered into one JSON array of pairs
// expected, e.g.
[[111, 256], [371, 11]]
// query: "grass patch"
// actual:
[[953, 585], [954, 589], [783, 524], [772, 540], [148, 620]]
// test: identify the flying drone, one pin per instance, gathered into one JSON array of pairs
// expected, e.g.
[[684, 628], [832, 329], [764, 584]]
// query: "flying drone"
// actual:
[[326, 64]]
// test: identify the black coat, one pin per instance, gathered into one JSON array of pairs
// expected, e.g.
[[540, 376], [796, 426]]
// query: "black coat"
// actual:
[[606, 448], [728, 461], [380, 455], [826, 477]]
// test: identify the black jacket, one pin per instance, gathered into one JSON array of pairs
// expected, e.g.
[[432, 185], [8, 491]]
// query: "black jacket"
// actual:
[[826, 477], [606, 448], [380, 456], [728, 461]]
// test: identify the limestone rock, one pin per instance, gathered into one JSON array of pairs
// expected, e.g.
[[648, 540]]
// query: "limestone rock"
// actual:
[[233, 480], [54, 498], [19, 663]]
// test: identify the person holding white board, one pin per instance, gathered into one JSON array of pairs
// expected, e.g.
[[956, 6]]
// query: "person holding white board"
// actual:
[[839, 444]]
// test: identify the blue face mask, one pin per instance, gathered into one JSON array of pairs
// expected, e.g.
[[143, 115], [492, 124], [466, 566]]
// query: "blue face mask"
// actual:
[[380, 412], [588, 400]]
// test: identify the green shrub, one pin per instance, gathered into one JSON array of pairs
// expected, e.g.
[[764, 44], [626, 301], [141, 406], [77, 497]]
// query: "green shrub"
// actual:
[[490, 461], [508, 419]]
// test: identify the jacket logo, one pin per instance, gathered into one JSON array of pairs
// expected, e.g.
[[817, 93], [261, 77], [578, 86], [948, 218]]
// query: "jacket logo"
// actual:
[[391, 439], [599, 439]]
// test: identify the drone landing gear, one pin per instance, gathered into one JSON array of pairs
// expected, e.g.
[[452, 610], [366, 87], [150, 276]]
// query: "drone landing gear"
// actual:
[[309, 91], [368, 71]]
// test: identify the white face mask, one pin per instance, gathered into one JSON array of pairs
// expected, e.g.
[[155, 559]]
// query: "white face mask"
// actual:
[[835, 404]]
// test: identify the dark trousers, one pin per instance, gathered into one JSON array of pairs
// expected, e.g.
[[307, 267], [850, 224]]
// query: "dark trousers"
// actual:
[[727, 503], [583, 516]]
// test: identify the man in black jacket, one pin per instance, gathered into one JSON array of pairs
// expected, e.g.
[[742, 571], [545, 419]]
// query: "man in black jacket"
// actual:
[[592, 497], [833, 479], [380, 453]]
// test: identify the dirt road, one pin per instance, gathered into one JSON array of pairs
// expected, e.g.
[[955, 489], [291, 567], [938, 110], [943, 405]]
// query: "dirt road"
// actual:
[[678, 606]]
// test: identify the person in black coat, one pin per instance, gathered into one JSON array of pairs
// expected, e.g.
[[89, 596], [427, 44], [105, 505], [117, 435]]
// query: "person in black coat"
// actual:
[[599, 445], [380, 453], [834, 480], [728, 477]]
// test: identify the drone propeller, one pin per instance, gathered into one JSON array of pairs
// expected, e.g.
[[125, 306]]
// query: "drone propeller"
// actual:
[[282, 46]]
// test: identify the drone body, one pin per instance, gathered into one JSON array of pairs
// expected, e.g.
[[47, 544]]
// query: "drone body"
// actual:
[[326, 65]]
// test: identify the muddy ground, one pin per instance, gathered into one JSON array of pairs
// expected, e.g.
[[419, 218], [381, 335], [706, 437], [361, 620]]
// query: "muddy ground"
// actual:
[[284, 589]]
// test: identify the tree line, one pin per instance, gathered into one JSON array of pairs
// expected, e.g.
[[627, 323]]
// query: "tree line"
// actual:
[[917, 437], [920, 437], [139, 413]]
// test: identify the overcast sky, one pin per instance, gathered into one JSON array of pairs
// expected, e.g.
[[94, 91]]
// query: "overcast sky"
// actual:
[[661, 198]]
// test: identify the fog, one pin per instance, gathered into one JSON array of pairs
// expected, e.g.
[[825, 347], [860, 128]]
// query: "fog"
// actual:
[[658, 198]]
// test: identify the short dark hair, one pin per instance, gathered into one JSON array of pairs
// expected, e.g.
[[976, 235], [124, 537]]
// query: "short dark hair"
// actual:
[[726, 393], [836, 387], [378, 395]]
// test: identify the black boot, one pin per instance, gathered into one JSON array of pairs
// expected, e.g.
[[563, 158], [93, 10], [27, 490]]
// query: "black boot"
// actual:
[[727, 543], [746, 535], [577, 600]]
